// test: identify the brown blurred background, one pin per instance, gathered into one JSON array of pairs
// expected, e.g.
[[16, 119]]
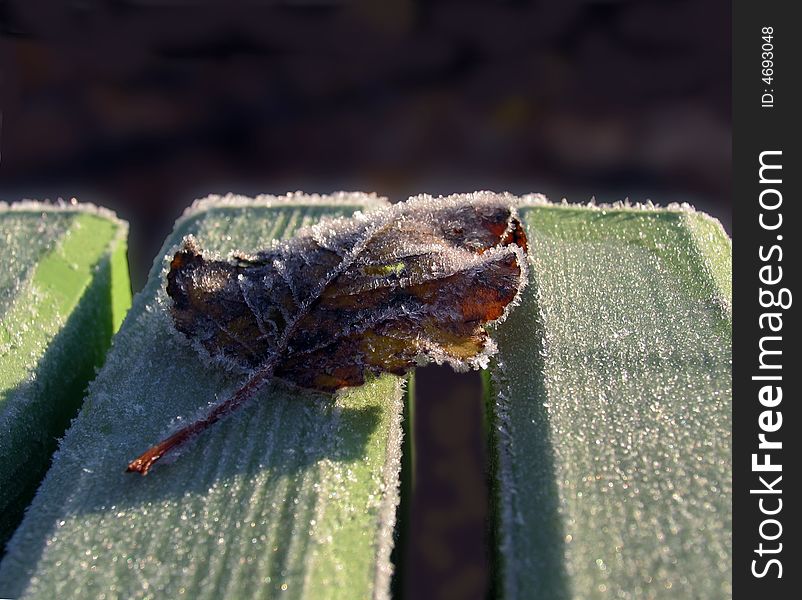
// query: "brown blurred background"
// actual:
[[143, 105]]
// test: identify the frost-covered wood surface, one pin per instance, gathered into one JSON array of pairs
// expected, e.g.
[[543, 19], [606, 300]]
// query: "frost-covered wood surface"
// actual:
[[612, 425], [63, 292], [610, 437], [294, 494]]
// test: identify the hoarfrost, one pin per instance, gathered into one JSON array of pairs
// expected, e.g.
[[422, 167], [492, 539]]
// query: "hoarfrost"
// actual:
[[347, 297], [614, 425], [93, 530]]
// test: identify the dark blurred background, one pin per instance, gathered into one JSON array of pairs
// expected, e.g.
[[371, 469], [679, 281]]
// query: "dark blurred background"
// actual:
[[143, 105]]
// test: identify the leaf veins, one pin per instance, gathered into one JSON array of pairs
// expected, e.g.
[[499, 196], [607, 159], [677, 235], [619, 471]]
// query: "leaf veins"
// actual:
[[379, 292]]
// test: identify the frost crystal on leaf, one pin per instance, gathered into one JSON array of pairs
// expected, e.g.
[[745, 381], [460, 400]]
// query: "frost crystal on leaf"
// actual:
[[367, 294], [378, 292]]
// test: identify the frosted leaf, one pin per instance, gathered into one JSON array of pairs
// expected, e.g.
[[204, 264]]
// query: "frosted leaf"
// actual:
[[352, 296]]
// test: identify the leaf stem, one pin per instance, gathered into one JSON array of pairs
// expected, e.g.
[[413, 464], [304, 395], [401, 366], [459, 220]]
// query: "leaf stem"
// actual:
[[143, 463]]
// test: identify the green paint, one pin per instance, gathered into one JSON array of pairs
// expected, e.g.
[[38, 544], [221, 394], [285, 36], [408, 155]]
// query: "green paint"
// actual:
[[54, 333], [612, 419], [406, 490], [24, 238], [294, 494]]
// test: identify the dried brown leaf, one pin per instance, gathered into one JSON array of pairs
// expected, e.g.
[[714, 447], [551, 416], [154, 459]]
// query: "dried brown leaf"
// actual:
[[379, 292]]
